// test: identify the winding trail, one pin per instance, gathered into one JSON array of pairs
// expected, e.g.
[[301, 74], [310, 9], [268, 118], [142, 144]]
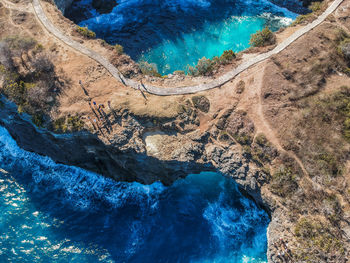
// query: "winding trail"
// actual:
[[178, 90]]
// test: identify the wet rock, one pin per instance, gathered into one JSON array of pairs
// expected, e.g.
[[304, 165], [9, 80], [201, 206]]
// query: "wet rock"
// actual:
[[104, 6], [296, 6]]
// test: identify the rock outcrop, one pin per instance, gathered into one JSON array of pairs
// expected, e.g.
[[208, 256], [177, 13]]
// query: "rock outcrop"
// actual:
[[124, 156], [104, 6], [123, 159]]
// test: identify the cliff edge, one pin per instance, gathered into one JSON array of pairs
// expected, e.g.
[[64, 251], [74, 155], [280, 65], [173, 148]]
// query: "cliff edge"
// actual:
[[280, 129]]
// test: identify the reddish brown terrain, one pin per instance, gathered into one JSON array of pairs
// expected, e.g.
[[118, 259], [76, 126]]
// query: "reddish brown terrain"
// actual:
[[281, 128]]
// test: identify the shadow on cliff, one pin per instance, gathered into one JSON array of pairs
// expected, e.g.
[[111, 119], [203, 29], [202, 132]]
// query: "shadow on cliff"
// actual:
[[87, 151], [103, 219]]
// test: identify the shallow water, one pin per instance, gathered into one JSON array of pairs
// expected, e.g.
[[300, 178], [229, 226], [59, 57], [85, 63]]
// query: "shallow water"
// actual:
[[51, 212], [176, 33]]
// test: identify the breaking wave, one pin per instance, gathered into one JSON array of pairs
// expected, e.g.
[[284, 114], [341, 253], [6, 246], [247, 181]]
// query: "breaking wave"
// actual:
[[51, 212], [175, 34]]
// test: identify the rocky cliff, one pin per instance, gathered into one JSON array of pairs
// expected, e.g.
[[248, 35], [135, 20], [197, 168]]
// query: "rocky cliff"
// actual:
[[129, 155], [280, 129]]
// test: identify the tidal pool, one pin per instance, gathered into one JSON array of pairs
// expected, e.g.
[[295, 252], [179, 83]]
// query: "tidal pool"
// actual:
[[175, 34]]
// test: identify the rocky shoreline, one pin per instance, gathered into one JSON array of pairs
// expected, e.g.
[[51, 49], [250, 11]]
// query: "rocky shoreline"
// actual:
[[124, 157], [249, 130]]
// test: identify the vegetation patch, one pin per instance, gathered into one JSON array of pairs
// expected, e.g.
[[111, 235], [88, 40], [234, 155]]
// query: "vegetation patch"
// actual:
[[226, 58], [224, 137], [206, 66], [262, 152], [28, 77], [344, 50], [149, 69], [317, 239], [330, 113], [85, 32], [284, 182], [243, 138], [264, 37], [316, 8], [119, 49], [68, 124], [38, 120]]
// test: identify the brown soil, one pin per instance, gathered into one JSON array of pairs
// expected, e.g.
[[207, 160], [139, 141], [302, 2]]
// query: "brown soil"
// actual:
[[275, 95]]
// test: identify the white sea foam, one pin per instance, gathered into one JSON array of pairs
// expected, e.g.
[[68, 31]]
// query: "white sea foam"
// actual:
[[81, 187], [229, 224], [86, 191]]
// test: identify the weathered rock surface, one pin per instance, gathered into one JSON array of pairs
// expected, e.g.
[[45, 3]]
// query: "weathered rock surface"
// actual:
[[124, 156], [123, 159]]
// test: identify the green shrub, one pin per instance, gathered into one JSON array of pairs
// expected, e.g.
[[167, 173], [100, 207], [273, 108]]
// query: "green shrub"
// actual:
[[329, 163], [204, 66], [227, 57], [2, 69], [60, 125], [242, 138], [262, 151], [284, 182], [344, 49], [192, 71], [85, 32], [33, 90], [69, 123], [315, 238], [14, 89], [75, 123], [264, 37], [224, 137], [119, 49], [315, 6], [38, 119], [302, 18], [261, 139], [38, 48], [149, 69], [20, 43]]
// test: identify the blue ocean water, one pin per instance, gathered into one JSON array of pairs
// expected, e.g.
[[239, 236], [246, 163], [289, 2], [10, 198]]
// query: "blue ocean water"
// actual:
[[176, 33], [55, 213]]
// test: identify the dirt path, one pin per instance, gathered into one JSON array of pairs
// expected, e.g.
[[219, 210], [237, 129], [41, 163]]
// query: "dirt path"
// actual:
[[263, 126], [178, 90]]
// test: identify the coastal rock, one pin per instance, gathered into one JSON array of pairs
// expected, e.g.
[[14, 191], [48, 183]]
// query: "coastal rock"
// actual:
[[123, 159], [296, 6], [104, 6]]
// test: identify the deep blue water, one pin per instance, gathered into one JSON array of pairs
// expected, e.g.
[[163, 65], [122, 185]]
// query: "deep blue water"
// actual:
[[55, 213], [176, 33]]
